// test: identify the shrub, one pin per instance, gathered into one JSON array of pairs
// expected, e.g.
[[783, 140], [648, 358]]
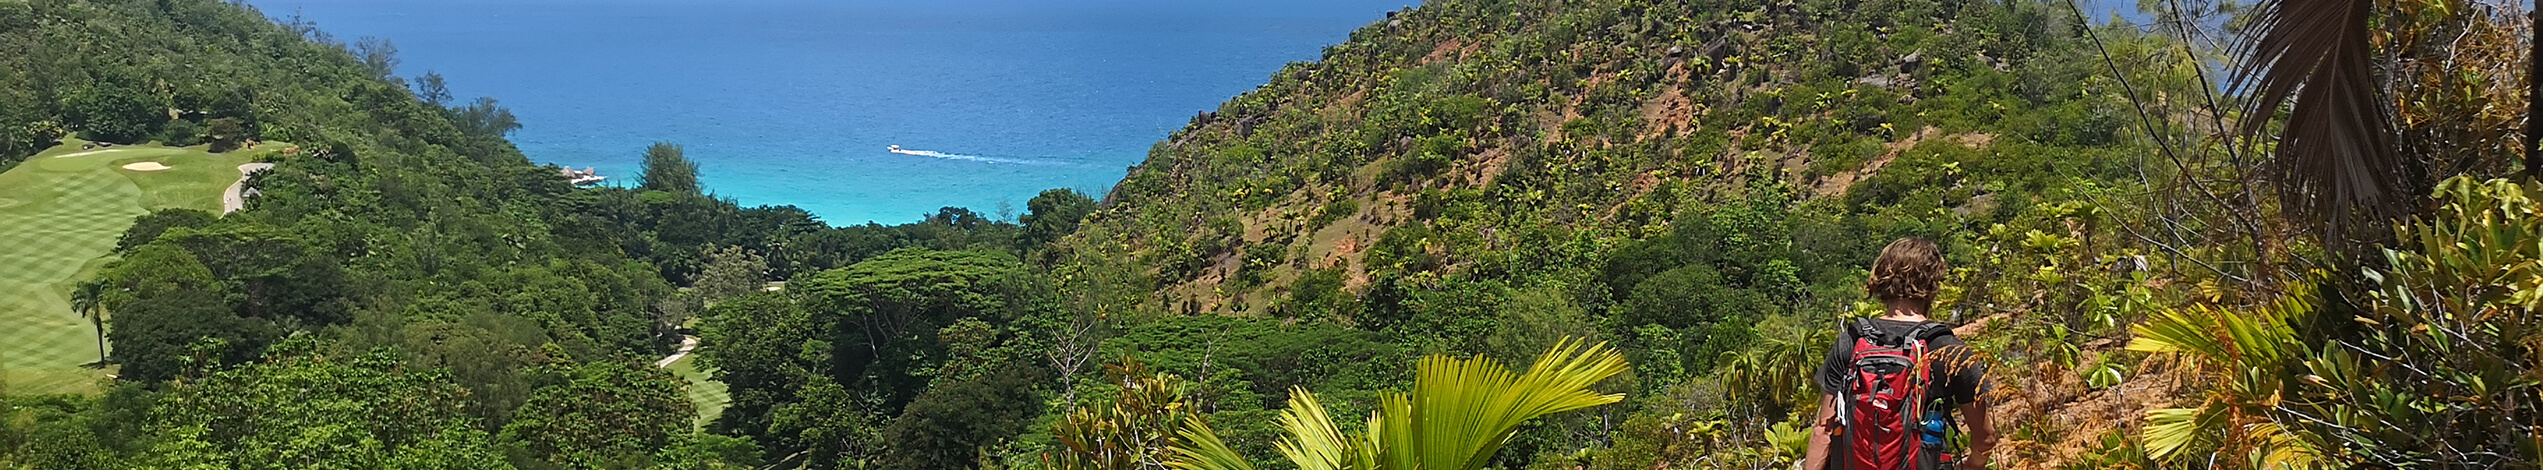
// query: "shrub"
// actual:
[[180, 133], [1333, 211], [227, 133]]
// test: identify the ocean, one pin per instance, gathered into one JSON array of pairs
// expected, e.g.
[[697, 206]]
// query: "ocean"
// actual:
[[800, 102]]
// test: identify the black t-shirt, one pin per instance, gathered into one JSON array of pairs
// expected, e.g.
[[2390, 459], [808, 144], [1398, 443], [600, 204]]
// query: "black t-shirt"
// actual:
[[1958, 373]]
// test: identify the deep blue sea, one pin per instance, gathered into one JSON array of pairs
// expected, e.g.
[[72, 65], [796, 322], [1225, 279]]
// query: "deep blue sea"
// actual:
[[795, 102]]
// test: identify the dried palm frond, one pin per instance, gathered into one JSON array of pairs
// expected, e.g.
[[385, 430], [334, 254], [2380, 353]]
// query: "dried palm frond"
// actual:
[[2335, 156]]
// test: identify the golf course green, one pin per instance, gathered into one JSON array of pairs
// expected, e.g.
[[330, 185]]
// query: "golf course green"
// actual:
[[60, 213], [709, 396]]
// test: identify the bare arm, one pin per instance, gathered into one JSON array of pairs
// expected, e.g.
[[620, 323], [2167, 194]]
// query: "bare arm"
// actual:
[[1982, 435], [1815, 457]]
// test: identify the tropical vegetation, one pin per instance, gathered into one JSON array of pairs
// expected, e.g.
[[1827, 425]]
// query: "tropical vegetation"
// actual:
[[1606, 234]]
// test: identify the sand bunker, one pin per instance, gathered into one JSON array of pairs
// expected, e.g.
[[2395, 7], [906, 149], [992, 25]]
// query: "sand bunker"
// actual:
[[146, 166]]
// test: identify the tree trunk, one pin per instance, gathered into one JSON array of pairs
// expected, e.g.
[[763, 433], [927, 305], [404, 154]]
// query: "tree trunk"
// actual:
[[2534, 96], [99, 323]]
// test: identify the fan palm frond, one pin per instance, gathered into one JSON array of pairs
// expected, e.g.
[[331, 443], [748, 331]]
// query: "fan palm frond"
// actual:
[[1314, 442], [1203, 450], [1459, 413], [2254, 338], [2336, 156], [1463, 410], [2241, 350], [2174, 431]]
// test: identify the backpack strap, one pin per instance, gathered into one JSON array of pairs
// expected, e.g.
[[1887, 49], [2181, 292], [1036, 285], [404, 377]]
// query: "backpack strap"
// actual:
[[1860, 328], [1923, 332], [1920, 380], [1927, 331]]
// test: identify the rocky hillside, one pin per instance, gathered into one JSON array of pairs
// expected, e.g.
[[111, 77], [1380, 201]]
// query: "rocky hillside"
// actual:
[[1493, 139], [1706, 180]]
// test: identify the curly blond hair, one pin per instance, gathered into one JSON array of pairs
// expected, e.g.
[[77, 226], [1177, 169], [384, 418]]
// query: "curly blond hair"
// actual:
[[1910, 268]]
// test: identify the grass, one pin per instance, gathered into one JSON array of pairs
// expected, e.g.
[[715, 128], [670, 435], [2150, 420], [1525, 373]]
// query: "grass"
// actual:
[[704, 392], [60, 213]]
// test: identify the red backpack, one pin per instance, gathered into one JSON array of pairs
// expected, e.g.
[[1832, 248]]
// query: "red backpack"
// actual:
[[1882, 403]]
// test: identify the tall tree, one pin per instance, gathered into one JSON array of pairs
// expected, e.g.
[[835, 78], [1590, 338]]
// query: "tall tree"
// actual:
[[731, 271], [763, 351], [485, 118], [84, 300], [1054, 214], [226, 133], [165, 302], [116, 106], [278, 276], [432, 88], [951, 425], [889, 309], [379, 55], [668, 168]]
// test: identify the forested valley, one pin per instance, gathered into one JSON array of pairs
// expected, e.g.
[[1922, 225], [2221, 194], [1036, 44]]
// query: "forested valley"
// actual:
[[1675, 200]]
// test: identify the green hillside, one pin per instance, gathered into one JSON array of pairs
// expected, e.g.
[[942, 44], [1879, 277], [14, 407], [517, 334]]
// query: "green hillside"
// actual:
[[1704, 183], [406, 290], [1700, 182], [357, 295], [1518, 141], [1697, 186]]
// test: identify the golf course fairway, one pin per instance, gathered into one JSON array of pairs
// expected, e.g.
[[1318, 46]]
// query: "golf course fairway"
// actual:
[[60, 214]]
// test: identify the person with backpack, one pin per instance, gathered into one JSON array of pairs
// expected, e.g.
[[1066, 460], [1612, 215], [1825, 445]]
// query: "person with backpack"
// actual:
[[1890, 384]]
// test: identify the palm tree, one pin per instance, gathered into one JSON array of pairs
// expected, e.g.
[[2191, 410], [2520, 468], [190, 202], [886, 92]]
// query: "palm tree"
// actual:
[[1458, 415], [86, 300], [1780, 369], [2239, 352]]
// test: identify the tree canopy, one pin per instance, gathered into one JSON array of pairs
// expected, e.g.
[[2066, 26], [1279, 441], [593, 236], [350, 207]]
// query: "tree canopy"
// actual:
[[667, 168]]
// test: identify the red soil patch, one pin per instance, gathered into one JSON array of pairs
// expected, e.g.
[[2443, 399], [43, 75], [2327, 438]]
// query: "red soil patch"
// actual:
[[1671, 110], [1836, 184]]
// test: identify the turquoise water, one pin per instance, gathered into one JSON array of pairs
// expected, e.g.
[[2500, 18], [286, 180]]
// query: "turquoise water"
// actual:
[[797, 102]]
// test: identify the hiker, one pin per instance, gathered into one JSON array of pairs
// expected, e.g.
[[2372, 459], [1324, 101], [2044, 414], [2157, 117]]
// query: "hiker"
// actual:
[[1876, 411]]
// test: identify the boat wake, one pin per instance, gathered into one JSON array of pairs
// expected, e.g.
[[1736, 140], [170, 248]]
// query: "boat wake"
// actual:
[[969, 158]]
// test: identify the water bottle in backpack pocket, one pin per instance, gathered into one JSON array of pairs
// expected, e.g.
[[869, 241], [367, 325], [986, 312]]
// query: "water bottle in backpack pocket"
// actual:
[[1937, 429]]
